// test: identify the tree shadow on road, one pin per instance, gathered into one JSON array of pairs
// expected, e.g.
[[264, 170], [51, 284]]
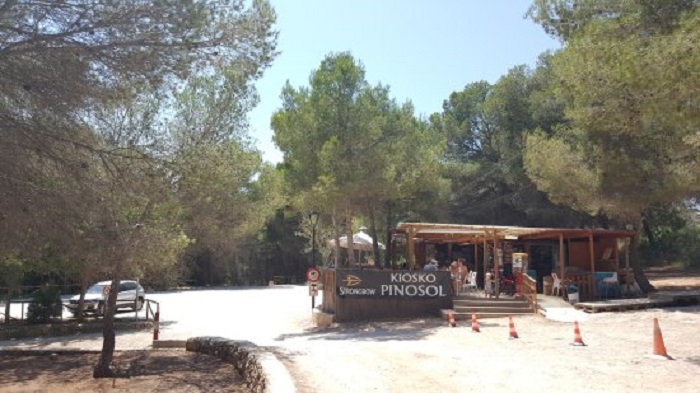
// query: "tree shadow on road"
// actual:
[[399, 330]]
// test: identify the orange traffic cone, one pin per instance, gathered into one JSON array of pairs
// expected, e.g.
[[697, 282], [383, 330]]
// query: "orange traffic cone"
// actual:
[[451, 318], [511, 325], [659, 347], [578, 341], [475, 324]]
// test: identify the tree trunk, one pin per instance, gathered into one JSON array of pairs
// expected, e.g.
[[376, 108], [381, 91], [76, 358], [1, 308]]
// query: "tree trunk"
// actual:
[[375, 238], [350, 241], [649, 233], [336, 236], [80, 315], [103, 369], [7, 304], [639, 274], [387, 255]]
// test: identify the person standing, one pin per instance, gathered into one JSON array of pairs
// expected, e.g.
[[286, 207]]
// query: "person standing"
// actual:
[[455, 277], [489, 290], [463, 271]]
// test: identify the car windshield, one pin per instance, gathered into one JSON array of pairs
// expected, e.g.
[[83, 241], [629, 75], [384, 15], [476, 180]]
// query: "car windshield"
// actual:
[[95, 289]]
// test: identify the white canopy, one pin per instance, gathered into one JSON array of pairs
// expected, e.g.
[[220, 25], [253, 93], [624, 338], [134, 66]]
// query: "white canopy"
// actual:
[[361, 241]]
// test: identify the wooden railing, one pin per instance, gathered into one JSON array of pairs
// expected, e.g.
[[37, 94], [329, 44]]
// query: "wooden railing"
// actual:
[[529, 291], [585, 282], [328, 287], [151, 311]]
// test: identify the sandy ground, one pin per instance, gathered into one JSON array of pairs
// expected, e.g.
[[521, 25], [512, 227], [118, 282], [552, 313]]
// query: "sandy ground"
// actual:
[[426, 355], [671, 279], [429, 356]]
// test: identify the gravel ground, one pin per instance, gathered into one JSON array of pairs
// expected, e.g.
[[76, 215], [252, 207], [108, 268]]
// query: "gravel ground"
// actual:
[[428, 355]]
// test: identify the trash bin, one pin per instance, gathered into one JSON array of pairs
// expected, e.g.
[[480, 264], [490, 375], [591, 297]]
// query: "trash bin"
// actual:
[[573, 294], [547, 285]]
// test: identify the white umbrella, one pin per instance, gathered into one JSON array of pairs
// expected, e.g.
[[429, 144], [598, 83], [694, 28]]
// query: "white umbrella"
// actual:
[[361, 241]]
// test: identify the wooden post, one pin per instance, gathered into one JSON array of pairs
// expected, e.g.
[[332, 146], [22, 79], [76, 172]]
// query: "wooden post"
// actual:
[[617, 254], [476, 256], [627, 262], [591, 251], [410, 250], [486, 262], [561, 257], [496, 264]]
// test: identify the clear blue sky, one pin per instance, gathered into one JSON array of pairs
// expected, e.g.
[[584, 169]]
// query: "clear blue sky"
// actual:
[[424, 50]]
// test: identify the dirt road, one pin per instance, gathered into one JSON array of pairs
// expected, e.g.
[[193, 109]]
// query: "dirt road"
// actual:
[[428, 356]]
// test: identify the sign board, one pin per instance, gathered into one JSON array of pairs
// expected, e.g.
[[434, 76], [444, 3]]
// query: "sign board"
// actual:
[[313, 274], [106, 289], [392, 284], [313, 290]]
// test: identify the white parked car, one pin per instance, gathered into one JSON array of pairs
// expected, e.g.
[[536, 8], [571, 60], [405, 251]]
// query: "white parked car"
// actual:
[[131, 295]]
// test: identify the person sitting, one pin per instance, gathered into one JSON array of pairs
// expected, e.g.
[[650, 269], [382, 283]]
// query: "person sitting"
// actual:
[[431, 266]]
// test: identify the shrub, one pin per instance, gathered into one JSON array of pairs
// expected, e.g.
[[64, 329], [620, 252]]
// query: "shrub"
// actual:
[[45, 305]]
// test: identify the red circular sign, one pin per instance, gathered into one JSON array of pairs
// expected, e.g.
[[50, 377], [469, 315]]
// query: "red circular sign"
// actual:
[[106, 289], [313, 274]]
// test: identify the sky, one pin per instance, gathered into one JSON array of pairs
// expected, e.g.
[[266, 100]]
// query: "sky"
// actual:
[[423, 50]]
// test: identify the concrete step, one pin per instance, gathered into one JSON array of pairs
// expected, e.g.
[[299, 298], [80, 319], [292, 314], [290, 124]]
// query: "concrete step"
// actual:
[[486, 303], [502, 298], [463, 316], [515, 310]]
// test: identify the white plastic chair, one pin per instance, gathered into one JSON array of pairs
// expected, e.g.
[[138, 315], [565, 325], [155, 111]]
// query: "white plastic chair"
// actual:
[[470, 285], [557, 285]]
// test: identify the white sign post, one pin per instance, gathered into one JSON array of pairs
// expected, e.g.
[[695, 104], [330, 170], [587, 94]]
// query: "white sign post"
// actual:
[[313, 275]]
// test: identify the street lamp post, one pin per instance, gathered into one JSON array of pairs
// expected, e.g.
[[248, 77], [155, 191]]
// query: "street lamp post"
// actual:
[[313, 217]]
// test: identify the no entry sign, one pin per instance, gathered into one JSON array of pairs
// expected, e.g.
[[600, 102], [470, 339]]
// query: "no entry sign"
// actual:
[[313, 274]]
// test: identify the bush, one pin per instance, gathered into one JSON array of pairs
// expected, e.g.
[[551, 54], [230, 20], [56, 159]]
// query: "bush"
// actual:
[[45, 305]]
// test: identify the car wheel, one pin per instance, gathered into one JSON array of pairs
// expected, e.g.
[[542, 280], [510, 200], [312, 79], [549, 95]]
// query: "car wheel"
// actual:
[[139, 304], [100, 310]]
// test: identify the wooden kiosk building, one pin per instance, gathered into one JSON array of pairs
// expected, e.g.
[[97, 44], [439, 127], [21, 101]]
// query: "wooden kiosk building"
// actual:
[[580, 257]]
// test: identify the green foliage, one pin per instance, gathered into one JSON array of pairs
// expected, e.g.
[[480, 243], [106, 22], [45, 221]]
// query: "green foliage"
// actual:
[[633, 118], [566, 18], [670, 237], [12, 270], [45, 306], [350, 150], [486, 127]]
